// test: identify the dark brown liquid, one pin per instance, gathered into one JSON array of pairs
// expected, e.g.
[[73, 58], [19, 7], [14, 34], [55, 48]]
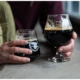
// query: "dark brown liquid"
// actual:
[[58, 37], [34, 46]]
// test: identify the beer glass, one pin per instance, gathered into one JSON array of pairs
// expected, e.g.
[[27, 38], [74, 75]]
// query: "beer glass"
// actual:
[[31, 36], [58, 32]]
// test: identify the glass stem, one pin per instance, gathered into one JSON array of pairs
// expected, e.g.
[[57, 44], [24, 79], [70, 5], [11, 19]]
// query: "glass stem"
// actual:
[[59, 54]]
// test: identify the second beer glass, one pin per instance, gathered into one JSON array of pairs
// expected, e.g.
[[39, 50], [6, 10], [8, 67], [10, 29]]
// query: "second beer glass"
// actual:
[[58, 32]]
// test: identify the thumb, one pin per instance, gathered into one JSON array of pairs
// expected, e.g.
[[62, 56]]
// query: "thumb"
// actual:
[[74, 35]]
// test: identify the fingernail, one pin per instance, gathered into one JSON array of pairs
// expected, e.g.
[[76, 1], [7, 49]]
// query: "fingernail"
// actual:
[[28, 59], [26, 42], [30, 51]]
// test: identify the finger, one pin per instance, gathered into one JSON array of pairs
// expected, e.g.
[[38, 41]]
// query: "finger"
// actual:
[[14, 58], [74, 35], [11, 61], [67, 48], [16, 62], [5, 60], [67, 54], [4, 55], [16, 50], [16, 42]]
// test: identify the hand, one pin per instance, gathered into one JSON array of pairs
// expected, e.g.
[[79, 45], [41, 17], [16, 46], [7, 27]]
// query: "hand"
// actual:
[[8, 49], [68, 49]]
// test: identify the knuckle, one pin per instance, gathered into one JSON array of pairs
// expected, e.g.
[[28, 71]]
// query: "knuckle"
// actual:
[[12, 42], [20, 59], [2, 49], [23, 60], [14, 49], [2, 54], [5, 43], [21, 42], [21, 50], [11, 57], [26, 51]]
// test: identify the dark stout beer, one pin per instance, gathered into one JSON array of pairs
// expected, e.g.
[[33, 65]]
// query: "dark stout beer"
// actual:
[[58, 36], [34, 46]]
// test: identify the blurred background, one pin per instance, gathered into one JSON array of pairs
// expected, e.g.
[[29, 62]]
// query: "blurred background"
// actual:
[[73, 9]]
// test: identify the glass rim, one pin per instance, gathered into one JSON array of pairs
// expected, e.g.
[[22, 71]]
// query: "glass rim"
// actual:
[[25, 31], [58, 14]]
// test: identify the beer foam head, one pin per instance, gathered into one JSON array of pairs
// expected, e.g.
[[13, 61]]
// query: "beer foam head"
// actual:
[[58, 28], [31, 39], [63, 24], [27, 38]]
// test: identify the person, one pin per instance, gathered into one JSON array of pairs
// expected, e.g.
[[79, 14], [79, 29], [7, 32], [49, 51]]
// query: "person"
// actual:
[[25, 16]]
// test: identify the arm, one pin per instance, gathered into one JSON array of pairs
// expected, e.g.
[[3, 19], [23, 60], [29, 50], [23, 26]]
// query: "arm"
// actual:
[[9, 19], [7, 48]]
